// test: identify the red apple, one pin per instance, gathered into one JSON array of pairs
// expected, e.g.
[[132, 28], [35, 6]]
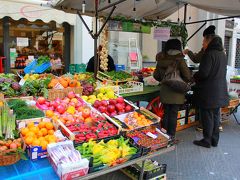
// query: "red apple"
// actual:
[[55, 104], [111, 108], [47, 103], [104, 103], [61, 109], [71, 95], [112, 102], [114, 113], [97, 103], [66, 100], [121, 112], [119, 107], [58, 100], [51, 108], [120, 100], [41, 100], [86, 113], [102, 109], [128, 108]]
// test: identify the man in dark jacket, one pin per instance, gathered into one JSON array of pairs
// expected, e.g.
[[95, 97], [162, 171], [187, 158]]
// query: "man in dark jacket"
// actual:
[[90, 65], [211, 93]]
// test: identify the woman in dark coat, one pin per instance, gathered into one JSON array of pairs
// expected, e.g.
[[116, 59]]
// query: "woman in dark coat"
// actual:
[[211, 89], [170, 98]]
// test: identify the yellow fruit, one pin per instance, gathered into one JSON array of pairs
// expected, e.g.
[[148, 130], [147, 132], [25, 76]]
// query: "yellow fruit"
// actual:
[[30, 134], [31, 124], [39, 134], [34, 129], [24, 131], [36, 142], [49, 113], [29, 140], [44, 144], [49, 125], [41, 125], [50, 132], [44, 131]]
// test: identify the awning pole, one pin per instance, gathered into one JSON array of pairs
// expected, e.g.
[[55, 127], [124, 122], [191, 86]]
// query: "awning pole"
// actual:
[[215, 19], [196, 31], [85, 24], [95, 35], [185, 13]]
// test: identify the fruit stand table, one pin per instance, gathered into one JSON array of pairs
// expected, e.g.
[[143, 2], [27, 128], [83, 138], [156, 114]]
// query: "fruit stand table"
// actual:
[[42, 169], [148, 94]]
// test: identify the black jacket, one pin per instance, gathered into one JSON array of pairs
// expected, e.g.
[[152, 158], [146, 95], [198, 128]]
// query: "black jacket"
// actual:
[[90, 65], [211, 85]]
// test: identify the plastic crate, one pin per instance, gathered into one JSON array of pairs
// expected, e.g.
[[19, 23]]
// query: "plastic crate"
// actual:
[[120, 67], [80, 68], [33, 67], [72, 68], [136, 87]]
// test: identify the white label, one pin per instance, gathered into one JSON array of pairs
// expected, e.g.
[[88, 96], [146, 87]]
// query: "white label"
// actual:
[[58, 86], [22, 81], [21, 125], [23, 42], [34, 155], [151, 135]]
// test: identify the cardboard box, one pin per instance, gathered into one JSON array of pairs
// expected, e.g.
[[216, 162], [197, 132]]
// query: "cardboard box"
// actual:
[[36, 152], [181, 114]]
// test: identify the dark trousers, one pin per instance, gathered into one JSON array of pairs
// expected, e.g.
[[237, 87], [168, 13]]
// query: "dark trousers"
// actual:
[[210, 122], [170, 118]]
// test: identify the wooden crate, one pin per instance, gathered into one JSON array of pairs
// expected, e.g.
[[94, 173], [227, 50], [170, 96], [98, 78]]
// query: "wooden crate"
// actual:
[[61, 93]]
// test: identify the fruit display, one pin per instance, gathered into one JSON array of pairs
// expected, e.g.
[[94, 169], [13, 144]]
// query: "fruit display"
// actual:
[[113, 107], [98, 128], [103, 93], [64, 82], [110, 152], [24, 111], [13, 145], [150, 137], [9, 86], [39, 135], [136, 120]]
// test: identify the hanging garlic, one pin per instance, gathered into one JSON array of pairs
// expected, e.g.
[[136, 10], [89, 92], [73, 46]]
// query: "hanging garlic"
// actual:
[[104, 52]]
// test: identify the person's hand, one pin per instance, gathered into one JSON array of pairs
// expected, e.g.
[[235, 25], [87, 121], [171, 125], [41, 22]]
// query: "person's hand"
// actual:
[[185, 51]]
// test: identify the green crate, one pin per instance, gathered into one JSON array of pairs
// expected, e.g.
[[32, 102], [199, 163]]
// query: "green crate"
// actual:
[[80, 68], [72, 68]]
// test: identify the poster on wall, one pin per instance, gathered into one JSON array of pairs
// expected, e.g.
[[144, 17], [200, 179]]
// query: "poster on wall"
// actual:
[[13, 55], [161, 33], [22, 42]]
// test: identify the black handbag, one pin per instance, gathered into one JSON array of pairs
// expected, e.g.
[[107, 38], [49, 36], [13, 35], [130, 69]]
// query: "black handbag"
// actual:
[[173, 79]]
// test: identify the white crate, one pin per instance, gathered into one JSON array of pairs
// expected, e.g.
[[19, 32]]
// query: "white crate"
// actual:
[[136, 87]]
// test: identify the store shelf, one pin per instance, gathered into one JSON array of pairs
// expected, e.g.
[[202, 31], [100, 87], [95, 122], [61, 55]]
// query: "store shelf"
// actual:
[[128, 163]]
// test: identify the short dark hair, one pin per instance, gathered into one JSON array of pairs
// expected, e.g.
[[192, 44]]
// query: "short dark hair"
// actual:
[[174, 44], [209, 31]]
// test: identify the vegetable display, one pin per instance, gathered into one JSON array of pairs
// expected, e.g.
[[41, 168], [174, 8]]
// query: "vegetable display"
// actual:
[[112, 152], [23, 111], [9, 86]]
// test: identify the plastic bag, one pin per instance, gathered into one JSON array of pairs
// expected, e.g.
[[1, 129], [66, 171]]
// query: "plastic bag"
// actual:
[[150, 81]]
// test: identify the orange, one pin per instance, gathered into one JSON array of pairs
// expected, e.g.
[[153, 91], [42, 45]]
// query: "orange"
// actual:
[[50, 132], [36, 142], [31, 124], [29, 140], [44, 145], [30, 134], [54, 118], [49, 113], [24, 131], [39, 134], [41, 125], [44, 131], [46, 137], [34, 129], [52, 139], [41, 139], [49, 125]]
